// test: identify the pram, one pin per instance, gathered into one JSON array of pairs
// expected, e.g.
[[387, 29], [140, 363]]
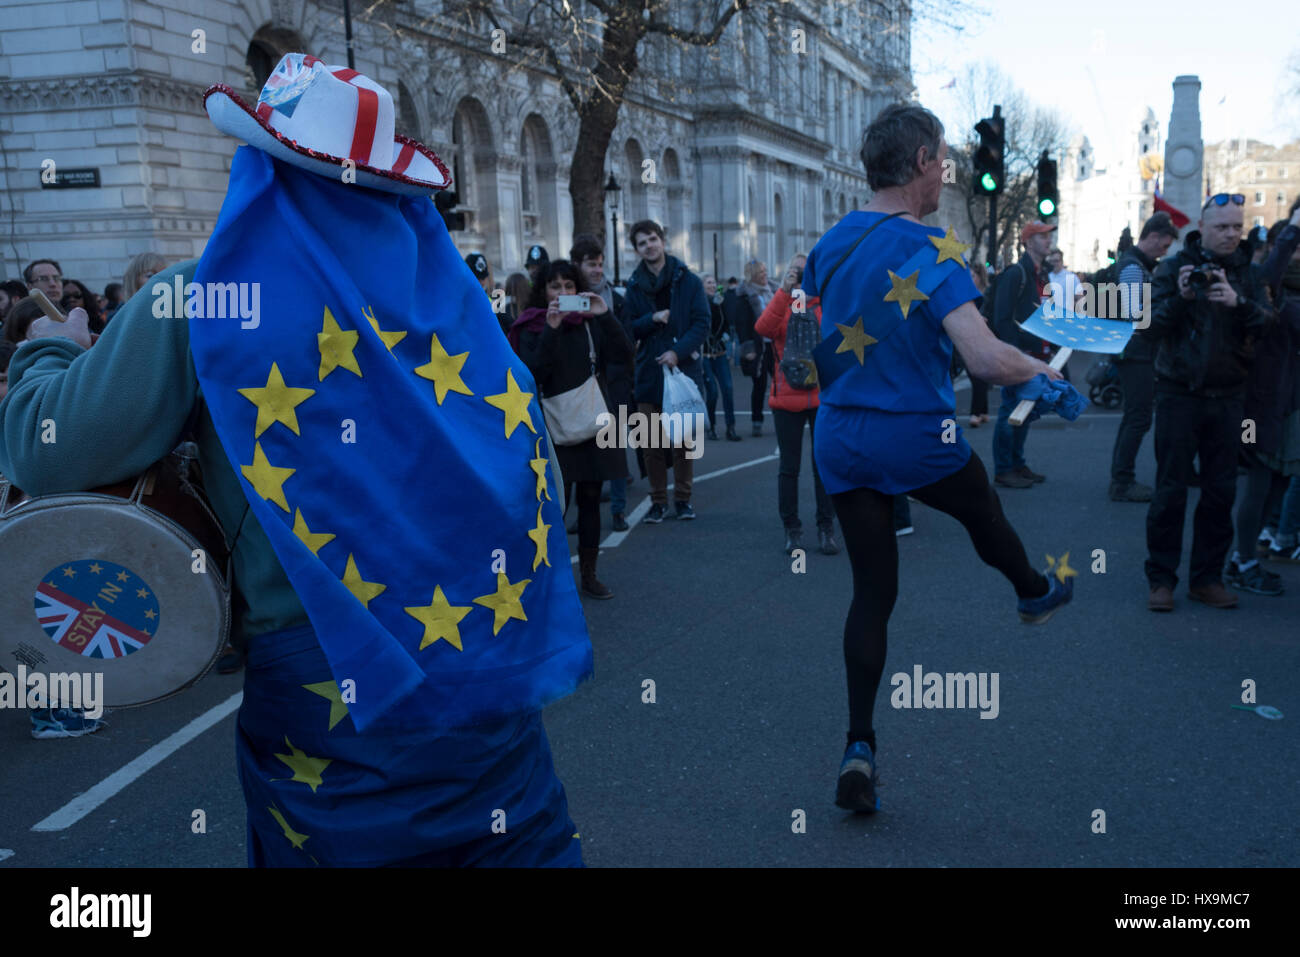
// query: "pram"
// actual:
[[1104, 386]]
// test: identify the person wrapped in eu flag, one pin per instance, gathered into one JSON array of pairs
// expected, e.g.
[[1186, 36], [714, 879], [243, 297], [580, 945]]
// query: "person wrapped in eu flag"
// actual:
[[896, 295], [378, 454]]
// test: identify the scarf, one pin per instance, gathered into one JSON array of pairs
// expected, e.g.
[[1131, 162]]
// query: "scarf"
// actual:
[[532, 320]]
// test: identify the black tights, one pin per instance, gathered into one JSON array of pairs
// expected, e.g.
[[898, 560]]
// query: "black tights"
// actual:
[[867, 522], [588, 501]]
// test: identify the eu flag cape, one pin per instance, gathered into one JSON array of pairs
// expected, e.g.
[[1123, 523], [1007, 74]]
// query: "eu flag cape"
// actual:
[[392, 446]]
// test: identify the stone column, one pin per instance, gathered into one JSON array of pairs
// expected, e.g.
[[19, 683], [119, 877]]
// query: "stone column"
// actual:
[[1182, 182]]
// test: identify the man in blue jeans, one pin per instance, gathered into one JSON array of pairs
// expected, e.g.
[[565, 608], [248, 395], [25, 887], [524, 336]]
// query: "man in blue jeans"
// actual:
[[1018, 293]]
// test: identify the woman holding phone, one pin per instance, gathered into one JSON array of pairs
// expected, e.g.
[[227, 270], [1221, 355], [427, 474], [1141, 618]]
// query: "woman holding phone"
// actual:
[[557, 343]]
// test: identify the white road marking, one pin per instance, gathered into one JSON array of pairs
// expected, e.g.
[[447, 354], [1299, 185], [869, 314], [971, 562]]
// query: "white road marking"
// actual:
[[84, 803], [614, 539]]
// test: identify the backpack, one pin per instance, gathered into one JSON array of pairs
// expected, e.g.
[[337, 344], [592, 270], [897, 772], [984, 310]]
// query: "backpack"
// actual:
[[802, 334]]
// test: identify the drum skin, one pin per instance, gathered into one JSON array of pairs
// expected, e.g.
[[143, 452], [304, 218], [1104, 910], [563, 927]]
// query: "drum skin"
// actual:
[[86, 577]]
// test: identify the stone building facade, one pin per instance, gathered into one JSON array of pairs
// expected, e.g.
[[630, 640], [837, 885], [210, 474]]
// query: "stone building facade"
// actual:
[[754, 142], [1268, 176], [1098, 202]]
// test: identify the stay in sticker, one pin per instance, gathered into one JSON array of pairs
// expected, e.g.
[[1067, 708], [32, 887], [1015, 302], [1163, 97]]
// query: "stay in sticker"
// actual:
[[96, 608]]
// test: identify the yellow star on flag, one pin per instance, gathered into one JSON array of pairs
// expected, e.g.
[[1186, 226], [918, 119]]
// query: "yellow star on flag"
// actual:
[[304, 767], [141, 593], [313, 540], [538, 535], [363, 590], [336, 346], [294, 838], [504, 602], [444, 370], [72, 573], [855, 340], [267, 480], [904, 292], [122, 576], [151, 614], [441, 620], [538, 465], [514, 403], [1063, 570], [391, 337], [96, 568], [950, 247], [329, 690], [276, 402]]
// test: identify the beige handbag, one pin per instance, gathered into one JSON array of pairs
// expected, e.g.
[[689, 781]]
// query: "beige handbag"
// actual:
[[573, 417]]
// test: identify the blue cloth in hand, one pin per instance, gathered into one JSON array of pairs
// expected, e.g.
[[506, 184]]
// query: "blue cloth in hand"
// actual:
[[1050, 396]]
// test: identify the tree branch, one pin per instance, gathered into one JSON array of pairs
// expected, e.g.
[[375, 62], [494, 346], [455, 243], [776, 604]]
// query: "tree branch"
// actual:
[[695, 37]]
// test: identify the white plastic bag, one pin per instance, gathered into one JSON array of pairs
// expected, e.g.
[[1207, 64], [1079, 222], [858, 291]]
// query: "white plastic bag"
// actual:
[[683, 408]]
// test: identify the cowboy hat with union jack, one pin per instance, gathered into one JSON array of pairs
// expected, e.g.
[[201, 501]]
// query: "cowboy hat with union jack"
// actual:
[[320, 117]]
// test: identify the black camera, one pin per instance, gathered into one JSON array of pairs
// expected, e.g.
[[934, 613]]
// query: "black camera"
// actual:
[[1202, 277]]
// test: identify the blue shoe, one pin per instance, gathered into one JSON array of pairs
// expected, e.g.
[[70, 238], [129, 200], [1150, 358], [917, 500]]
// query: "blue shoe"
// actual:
[[63, 723], [856, 790], [1035, 611]]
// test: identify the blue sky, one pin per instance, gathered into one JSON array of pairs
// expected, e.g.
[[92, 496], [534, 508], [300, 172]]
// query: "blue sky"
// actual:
[[1098, 61]]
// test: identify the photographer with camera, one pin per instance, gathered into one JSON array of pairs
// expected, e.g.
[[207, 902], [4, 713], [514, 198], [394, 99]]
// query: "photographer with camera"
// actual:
[[1209, 307]]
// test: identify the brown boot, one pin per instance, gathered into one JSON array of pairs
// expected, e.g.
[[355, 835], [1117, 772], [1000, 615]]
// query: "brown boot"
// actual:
[[1214, 595], [1161, 598], [590, 584]]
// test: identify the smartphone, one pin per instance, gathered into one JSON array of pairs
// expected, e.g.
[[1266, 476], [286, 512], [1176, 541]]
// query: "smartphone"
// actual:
[[575, 303]]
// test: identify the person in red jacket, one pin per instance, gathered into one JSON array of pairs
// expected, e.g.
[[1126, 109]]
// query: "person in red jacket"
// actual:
[[791, 408]]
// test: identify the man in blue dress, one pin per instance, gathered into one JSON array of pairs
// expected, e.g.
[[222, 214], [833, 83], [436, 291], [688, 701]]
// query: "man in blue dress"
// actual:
[[896, 296]]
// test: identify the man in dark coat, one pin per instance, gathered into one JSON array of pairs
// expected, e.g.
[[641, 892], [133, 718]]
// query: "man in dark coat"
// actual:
[[669, 315], [1210, 307]]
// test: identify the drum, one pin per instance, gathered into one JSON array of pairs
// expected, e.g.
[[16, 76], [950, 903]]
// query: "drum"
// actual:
[[128, 581]]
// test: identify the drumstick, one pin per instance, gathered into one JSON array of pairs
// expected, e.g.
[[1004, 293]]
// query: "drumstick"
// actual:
[[1025, 406], [48, 307]]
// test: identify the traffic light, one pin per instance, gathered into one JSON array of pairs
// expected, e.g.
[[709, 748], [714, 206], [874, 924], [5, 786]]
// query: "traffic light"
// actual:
[[989, 155], [1048, 196], [1110, 257], [446, 202]]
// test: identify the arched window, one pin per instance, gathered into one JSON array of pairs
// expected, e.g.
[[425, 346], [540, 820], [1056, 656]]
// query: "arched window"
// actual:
[[265, 50]]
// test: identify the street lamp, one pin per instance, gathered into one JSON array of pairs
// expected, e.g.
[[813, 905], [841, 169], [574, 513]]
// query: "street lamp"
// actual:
[[612, 190]]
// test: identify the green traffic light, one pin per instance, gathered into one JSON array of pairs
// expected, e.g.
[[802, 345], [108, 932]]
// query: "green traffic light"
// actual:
[[988, 183], [1046, 207]]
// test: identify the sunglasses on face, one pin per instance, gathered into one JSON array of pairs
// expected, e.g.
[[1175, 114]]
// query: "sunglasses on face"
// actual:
[[1221, 199]]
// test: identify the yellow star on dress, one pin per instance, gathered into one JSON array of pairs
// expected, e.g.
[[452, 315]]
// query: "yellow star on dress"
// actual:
[[313, 540], [276, 402], [391, 337], [304, 767], [904, 292], [361, 589], [336, 346], [329, 690], [1063, 569], [538, 535], [504, 602], [950, 247], [538, 465], [514, 403], [444, 370], [267, 480], [294, 838], [441, 620], [855, 340]]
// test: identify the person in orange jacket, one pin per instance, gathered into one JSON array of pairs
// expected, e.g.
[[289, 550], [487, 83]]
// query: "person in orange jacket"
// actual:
[[791, 408]]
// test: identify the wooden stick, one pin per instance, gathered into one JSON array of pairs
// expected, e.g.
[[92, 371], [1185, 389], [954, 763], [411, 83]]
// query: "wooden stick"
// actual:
[[1025, 406], [49, 308]]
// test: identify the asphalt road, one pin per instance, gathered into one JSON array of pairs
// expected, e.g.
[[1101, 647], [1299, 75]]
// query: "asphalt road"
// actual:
[[1106, 707]]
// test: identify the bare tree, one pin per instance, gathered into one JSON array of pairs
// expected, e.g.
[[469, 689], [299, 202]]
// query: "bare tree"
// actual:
[[1029, 130]]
